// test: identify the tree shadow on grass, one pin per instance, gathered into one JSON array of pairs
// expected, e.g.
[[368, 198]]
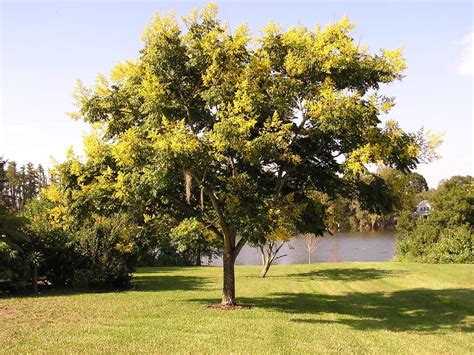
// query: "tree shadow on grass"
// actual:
[[422, 310], [162, 280], [162, 269], [352, 274], [157, 282]]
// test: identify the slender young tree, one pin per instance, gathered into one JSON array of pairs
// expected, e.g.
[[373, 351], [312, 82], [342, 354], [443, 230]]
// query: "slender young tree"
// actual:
[[311, 241], [269, 253], [239, 132]]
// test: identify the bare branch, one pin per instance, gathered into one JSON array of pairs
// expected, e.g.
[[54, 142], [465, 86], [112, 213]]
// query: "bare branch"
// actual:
[[281, 256]]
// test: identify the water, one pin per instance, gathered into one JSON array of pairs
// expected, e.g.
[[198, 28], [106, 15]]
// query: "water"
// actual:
[[364, 246]]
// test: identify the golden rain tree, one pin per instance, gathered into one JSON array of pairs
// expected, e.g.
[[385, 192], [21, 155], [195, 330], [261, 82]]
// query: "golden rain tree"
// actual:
[[238, 133]]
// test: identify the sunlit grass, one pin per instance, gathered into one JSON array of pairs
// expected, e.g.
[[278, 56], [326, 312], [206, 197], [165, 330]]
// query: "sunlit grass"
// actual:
[[345, 307]]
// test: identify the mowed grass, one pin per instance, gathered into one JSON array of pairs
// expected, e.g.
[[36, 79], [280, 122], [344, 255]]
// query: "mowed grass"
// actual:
[[346, 307]]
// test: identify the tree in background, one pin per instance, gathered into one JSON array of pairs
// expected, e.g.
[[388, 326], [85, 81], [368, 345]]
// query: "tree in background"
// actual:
[[238, 133], [192, 237], [311, 242], [13, 238], [446, 236], [86, 213], [163, 244], [315, 216], [52, 238], [22, 184], [13, 266], [397, 191], [3, 178], [404, 187]]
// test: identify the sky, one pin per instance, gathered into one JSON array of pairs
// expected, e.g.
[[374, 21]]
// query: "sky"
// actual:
[[47, 45]]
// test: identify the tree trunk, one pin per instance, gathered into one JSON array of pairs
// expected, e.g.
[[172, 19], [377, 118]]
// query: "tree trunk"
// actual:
[[266, 260], [264, 271], [309, 257], [228, 297], [198, 258], [269, 256], [35, 279]]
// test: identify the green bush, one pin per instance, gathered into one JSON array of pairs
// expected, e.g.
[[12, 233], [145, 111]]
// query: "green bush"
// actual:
[[107, 245], [98, 253], [56, 245], [60, 258], [13, 267], [454, 245]]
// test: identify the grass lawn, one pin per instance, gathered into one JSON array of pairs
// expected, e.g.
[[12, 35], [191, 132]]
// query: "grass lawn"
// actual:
[[345, 307]]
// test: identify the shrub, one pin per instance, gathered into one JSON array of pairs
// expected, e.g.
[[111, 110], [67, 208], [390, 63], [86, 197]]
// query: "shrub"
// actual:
[[109, 253], [13, 267], [55, 243], [454, 245], [100, 252]]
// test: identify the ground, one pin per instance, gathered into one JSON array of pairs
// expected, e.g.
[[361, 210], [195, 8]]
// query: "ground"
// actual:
[[385, 307]]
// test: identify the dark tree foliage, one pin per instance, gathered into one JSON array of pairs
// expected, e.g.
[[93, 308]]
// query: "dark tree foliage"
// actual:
[[14, 266]]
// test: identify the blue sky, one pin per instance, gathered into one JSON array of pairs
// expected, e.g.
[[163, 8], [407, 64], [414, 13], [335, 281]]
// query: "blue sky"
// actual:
[[47, 45]]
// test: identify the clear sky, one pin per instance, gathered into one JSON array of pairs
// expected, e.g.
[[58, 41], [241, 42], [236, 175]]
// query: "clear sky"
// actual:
[[47, 45]]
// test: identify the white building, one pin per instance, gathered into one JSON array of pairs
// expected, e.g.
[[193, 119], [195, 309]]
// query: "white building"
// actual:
[[423, 209]]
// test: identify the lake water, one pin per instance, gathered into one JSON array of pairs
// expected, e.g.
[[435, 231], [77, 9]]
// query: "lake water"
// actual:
[[364, 246]]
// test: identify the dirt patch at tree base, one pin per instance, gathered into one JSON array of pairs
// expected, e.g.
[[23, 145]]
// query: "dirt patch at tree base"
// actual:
[[224, 307]]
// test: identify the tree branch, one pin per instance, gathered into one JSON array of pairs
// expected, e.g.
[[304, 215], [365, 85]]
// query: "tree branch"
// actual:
[[281, 256], [214, 229], [239, 246], [188, 112], [281, 179], [278, 249], [215, 204], [184, 206]]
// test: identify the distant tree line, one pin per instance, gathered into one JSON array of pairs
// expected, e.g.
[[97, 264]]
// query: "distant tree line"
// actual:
[[395, 192], [20, 184]]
